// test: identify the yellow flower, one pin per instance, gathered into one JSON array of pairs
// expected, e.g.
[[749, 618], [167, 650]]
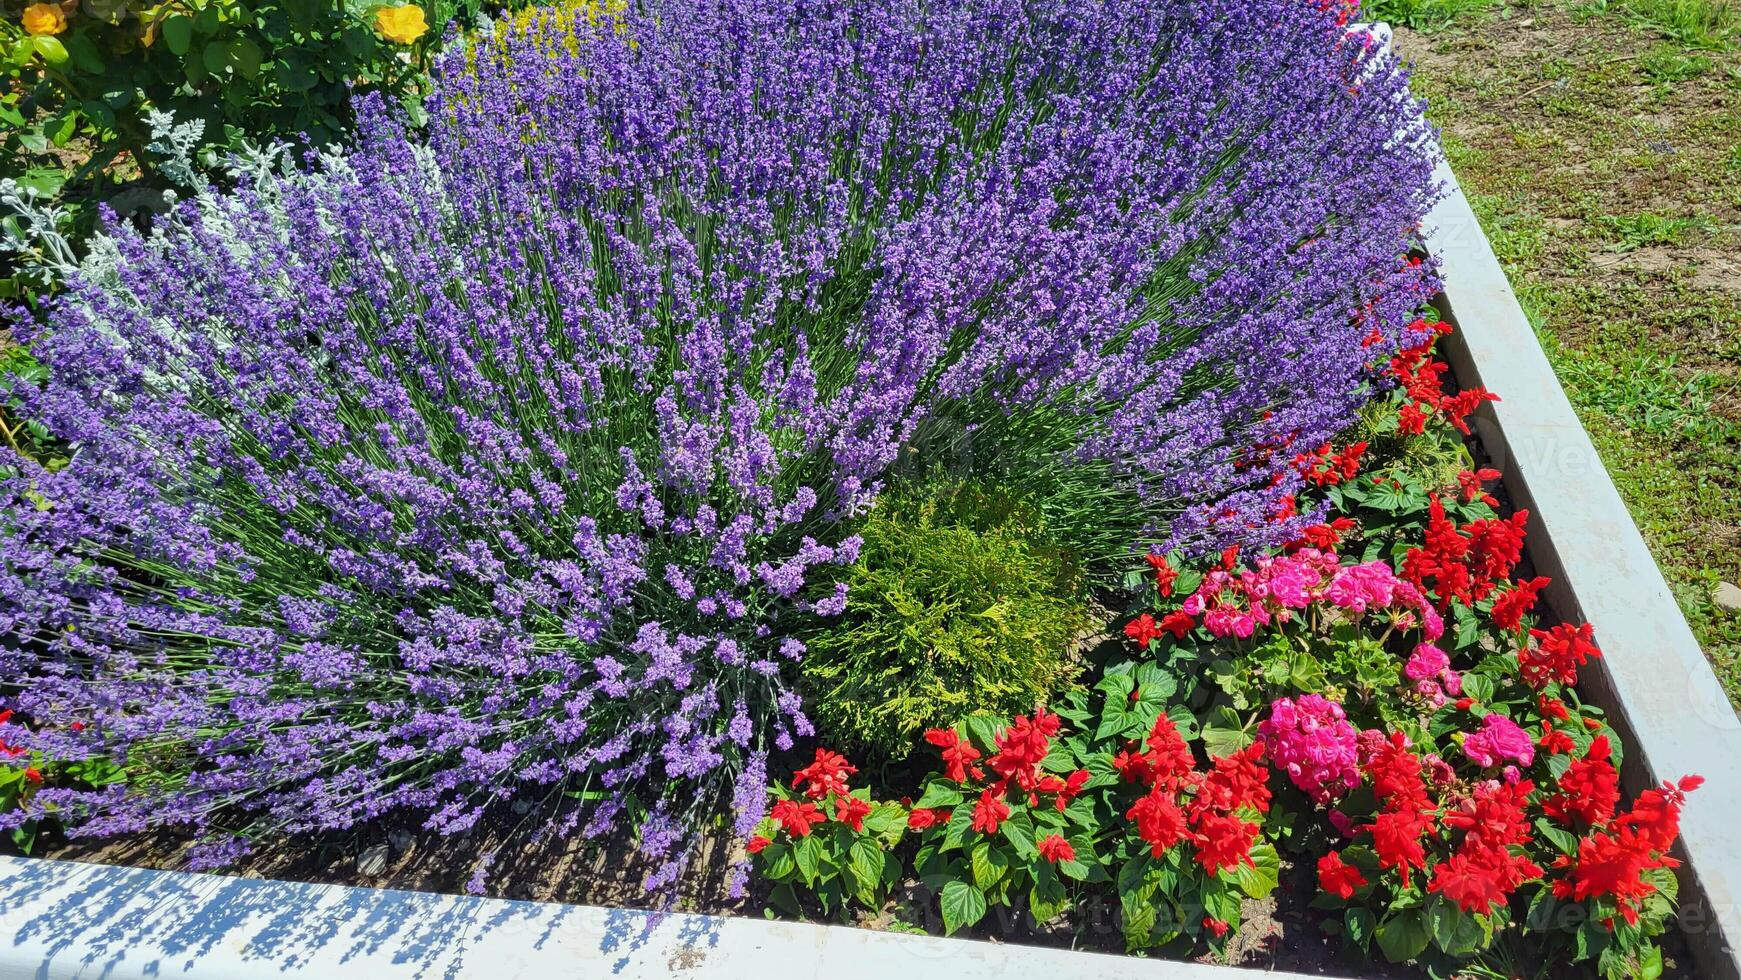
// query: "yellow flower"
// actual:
[[44, 18], [402, 24]]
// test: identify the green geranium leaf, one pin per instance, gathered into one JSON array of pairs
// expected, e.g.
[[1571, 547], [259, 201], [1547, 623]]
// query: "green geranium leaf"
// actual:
[[1224, 734]]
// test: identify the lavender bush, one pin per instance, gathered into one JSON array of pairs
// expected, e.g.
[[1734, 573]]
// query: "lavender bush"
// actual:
[[502, 466]]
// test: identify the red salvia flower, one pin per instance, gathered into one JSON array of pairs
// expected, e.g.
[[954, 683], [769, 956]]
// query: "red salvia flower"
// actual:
[[1611, 866], [1072, 788], [1022, 747], [1479, 879], [1469, 483], [851, 810], [1168, 759], [958, 755], [1055, 848], [1337, 877], [1178, 622], [1159, 821], [989, 813], [1221, 840], [1396, 837], [1656, 814], [1554, 741], [1457, 407], [1397, 783], [1589, 790], [827, 774], [1510, 607], [1165, 575], [797, 817], [922, 818], [1134, 767], [756, 843], [1327, 537], [1557, 654], [1235, 781]]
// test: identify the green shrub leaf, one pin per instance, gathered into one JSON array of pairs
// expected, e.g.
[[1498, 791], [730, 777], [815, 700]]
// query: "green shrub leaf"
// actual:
[[963, 905]]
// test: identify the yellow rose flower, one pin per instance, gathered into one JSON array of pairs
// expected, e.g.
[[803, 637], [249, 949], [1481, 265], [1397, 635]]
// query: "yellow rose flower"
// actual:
[[402, 24], [44, 18]]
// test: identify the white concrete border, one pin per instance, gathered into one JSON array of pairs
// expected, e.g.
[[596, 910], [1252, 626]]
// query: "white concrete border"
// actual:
[[1653, 679], [60, 920]]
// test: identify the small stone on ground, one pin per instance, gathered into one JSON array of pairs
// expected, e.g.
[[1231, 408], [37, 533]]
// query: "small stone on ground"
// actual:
[[373, 860], [1728, 596]]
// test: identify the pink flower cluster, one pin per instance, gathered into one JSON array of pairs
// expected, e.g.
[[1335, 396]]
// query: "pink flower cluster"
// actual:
[[1312, 740], [1236, 602], [1499, 740], [1430, 669]]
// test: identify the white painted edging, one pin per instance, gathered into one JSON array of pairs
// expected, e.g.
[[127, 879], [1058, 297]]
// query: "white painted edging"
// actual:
[[1653, 679], [60, 920]]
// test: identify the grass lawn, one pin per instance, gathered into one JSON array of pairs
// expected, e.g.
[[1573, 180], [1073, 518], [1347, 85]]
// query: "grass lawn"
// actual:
[[1600, 144]]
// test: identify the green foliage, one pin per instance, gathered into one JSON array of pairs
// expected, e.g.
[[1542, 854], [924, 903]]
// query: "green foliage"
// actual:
[[17, 784], [1708, 24], [21, 775], [1634, 231], [25, 436], [1084, 508], [1665, 64], [973, 847], [78, 94], [246, 68], [834, 863], [1423, 15], [960, 602]]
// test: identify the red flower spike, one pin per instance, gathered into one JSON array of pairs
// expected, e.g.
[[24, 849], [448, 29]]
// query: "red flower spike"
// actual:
[[989, 813], [1557, 654], [1338, 878], [1589, 790], [1165, 575], [827, 774], [1072, 788], [851, 810], [1222, 840], [1055, 848], [1159, 821], [958, 755], [1510, 607], [796, 817]]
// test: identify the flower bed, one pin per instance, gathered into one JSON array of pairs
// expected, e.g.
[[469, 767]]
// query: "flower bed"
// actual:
[[1344, 684], [1376, 700]]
